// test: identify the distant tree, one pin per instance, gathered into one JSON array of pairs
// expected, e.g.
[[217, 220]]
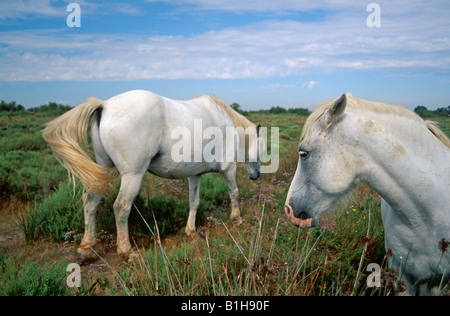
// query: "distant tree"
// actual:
[[282, 110], [10, 107], [442, 111], [300, 111], [236, 106], [422, 111], [51, 106], [277, 110]]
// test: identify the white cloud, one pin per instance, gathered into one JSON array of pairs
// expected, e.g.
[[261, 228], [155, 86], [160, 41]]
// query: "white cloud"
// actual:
[[24, 9], [310, 84], [412, 39], [264, 5]]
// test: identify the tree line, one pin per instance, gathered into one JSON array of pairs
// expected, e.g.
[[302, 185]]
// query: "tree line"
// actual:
[[14, 107], [272, 110], [424, 112], [53, 106]]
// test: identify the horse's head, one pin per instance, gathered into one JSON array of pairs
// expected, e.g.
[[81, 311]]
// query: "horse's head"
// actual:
[[324, 172], [253, 156]]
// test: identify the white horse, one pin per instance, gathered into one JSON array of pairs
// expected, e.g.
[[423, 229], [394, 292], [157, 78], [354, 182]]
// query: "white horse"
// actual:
[[131, 134], [405, 159]]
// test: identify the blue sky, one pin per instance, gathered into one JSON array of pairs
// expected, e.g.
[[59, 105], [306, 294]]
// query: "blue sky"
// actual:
[[259, 53]]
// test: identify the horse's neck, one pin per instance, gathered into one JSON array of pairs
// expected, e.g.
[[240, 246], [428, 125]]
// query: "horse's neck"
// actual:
[[409, 168]]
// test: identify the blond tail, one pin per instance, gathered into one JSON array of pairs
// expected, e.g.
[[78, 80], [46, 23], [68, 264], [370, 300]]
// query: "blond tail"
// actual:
[[67, 135]]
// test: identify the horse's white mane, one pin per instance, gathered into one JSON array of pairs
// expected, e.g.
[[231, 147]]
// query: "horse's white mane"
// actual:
[[238, 119], [375, 107]]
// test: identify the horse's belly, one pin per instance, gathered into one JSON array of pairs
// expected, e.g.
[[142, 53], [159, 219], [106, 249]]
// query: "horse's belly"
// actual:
[[165, 167]]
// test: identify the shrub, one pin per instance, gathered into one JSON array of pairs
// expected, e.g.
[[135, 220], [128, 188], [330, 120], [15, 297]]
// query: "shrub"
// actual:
[[28, 174], [31, 279], [19, 174], [56, 215], [170, 214], [213, 188]]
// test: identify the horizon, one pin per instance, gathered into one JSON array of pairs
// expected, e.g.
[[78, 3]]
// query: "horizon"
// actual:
[[260, 54]]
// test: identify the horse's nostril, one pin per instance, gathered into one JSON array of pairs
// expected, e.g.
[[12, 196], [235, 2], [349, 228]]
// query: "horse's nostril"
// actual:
[[287, 210], [303, 216]]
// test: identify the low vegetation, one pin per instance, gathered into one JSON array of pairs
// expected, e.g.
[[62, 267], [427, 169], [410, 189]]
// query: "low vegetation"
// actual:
[[265, 255]]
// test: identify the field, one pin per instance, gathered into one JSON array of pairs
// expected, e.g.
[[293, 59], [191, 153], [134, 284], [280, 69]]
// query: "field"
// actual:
[[41, 224]]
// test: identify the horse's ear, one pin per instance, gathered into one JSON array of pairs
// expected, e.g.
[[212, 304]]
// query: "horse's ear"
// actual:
[[336, 110], [258, 129]]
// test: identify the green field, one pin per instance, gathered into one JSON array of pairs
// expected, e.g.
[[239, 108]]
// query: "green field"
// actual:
[[41, 224]]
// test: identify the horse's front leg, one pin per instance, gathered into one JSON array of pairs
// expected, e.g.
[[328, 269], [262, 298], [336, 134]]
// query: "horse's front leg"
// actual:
[[194, 202], [230, 180]]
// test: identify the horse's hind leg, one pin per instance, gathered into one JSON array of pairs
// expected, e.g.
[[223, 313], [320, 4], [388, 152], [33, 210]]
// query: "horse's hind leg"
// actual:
[[93, 200], [194, 202], [90, 209], [129, 189]]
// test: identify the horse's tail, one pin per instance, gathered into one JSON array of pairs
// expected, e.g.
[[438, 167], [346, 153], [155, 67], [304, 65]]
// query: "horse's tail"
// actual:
[[67, 135]]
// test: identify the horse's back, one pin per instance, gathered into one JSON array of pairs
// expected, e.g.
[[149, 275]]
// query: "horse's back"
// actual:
[[136, 130], [131, 103]]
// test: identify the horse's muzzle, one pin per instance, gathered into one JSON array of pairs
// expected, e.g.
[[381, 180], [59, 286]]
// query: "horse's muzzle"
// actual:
[[302, 222], [255, 176]]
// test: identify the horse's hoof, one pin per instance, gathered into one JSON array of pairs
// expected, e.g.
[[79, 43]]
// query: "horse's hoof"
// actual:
[[85, 253], [190, 232], [237, 220], [133, 256], [201, 233], [125, 256]]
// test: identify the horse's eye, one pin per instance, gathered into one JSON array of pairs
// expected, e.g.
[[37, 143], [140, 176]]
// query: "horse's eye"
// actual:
[[303, 154]]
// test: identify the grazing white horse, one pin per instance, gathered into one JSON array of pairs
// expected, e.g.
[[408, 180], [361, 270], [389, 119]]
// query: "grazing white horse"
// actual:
[[132, 133], [405, 159]]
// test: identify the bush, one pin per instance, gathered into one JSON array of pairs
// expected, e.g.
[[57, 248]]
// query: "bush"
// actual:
[[30, 279], [170, 214], [56, 215], [28, 174], [23, 142], [19, 174], [213, 189]]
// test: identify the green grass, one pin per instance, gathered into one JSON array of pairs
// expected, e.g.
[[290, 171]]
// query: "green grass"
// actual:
[[28, 169], [265, 255], [31, 279]]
